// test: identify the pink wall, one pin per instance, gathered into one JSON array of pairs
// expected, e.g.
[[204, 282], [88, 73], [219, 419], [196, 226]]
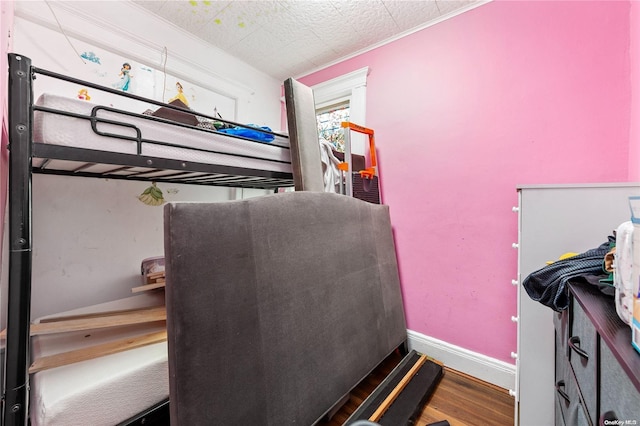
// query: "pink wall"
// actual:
[[6, 30], [634, 133], [508, 93]]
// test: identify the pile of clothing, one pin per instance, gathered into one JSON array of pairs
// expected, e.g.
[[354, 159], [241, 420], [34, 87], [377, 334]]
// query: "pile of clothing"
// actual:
[[549, 284]]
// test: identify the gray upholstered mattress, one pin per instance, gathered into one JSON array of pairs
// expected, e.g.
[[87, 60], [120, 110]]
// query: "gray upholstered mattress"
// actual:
[[277, 306]]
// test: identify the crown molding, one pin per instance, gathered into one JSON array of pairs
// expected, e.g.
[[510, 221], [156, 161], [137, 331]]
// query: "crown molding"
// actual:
[[340, 87], [440, 19]]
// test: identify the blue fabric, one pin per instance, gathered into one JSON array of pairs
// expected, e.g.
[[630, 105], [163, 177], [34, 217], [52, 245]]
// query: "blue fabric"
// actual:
[[245, 132]]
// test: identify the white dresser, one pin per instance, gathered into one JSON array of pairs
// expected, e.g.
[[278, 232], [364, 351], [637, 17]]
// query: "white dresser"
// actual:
[[553, 220]]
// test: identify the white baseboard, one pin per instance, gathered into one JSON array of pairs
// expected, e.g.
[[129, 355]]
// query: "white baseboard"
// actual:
[[485, 368]]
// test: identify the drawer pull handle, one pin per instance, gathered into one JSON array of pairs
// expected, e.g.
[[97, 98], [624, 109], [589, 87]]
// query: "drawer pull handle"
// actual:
[[574, 343], [609, 416], [561, 392]]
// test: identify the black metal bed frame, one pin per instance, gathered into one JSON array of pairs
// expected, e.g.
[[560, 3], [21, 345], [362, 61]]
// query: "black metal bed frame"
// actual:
[[23, 150]]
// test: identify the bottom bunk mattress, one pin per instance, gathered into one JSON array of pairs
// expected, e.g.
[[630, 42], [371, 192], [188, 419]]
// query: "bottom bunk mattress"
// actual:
[[161, 139], [105, 390]]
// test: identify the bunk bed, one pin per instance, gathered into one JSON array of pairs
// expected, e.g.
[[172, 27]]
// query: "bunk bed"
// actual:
[[104, 142]]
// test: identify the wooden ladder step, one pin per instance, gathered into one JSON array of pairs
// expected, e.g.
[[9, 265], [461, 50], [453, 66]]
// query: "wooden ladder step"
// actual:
[[96, 321], [147, 287], [84, 354]]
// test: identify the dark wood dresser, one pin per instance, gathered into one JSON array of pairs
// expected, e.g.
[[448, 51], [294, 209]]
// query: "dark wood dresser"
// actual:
[[597, 371]]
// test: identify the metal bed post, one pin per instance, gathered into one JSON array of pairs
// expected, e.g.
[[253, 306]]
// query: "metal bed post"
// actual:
[[16, 385]]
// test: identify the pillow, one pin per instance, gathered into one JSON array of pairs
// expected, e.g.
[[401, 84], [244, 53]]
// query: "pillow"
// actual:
[[179, 116]]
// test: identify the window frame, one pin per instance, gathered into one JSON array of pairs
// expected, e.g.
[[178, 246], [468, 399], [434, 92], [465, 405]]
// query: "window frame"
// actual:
[[351, 87]]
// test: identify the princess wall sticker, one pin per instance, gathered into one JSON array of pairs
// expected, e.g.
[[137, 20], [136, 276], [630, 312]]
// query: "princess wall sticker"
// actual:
[[83, 94], [125, 78], [180, 96]]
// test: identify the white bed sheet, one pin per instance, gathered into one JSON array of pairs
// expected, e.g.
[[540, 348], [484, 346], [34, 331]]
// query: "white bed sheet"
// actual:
[[70, 131], [105, 390]]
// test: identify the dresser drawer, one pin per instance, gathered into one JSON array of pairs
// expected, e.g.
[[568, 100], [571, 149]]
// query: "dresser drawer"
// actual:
[[561, 325], [572, 411], [569, 407], [583, 356], [562, 367], [619, 398], [558, 413]]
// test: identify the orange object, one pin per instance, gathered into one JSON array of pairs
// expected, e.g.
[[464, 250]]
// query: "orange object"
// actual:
[[369, 172], [356, 127]]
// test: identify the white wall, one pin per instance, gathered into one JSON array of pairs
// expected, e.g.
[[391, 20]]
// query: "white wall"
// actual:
[[90, 235], [128, 30], [104, 69]]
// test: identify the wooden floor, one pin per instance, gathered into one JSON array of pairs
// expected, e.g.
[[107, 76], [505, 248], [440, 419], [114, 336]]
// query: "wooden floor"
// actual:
[[459, 399], [464, 400]]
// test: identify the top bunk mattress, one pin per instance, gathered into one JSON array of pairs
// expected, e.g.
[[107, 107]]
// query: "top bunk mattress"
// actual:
[[116, 131]]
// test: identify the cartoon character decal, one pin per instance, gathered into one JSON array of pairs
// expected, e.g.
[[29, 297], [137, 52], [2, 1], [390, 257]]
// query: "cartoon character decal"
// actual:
[[125, 78], [83, 94]]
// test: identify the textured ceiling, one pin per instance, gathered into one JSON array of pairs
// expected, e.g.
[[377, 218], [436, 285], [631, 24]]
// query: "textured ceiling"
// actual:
[[287, 38]]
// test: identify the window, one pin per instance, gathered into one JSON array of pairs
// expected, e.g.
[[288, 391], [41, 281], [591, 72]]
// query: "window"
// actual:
[[329, 119], [342, 99]]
